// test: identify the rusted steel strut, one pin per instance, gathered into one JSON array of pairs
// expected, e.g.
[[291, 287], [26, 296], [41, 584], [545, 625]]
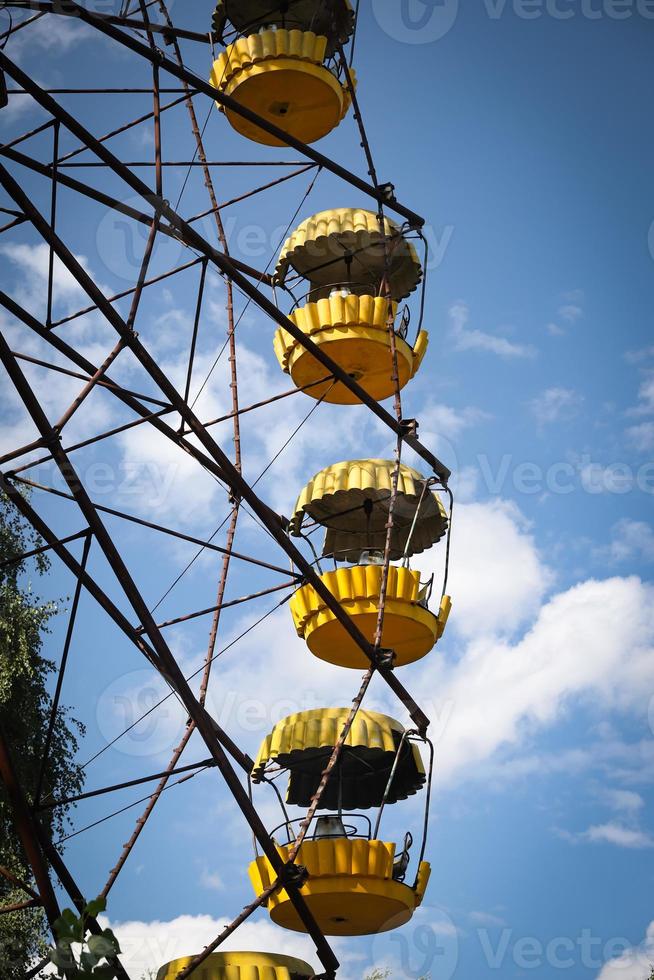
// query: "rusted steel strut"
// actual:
[[165, 662]]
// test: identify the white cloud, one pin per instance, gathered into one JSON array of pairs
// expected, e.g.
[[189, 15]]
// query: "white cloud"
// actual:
[[50, 33], [645, 397], [556, 405], [594, 641], [212, 880], [466, 339], [630, 540], [638, 356], [634, 964], [641, 436], [33, 261], [609, 833], [148, 945], [487, 919], [571, 312], [618, 834], [443, 420], [624, 800], [497, 579], [511, 661]]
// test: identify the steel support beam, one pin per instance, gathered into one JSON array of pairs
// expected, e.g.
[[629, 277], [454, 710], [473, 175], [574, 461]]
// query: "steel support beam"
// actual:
[[166, 663]]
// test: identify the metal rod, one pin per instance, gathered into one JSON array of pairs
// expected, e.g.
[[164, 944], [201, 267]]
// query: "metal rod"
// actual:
[[20, 906], [19, 883], [228, 930], [128, 292], [59, 7], [226, 605], [52, 804], [42, 549], [62, 670], [83, 377], [164, 530], [89, 386], [26, 829], [113, 203]]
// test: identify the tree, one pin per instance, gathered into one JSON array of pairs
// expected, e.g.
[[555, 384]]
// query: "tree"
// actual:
[[25, 708]]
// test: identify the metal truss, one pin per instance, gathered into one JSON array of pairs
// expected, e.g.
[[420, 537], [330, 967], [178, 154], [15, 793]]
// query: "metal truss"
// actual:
[[140, 34]]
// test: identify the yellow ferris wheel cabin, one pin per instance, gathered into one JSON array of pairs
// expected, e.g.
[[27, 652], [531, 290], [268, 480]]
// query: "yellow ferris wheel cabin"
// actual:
[[282, 65], [356, 883], [351, 888], [351, 500], [344, 255], [375, 746], [241, 966]]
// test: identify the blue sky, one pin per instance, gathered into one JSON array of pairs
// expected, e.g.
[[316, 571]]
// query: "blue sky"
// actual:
[[526, 143]]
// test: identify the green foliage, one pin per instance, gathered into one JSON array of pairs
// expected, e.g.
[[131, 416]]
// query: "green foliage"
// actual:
[[25, 704], [79, 955]]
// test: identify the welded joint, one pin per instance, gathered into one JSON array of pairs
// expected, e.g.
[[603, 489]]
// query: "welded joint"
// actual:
[[293, 874], [384, 658], [409, 427]]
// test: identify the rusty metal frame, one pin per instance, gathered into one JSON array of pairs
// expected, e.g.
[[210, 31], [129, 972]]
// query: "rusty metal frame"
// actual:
[[163, 219]]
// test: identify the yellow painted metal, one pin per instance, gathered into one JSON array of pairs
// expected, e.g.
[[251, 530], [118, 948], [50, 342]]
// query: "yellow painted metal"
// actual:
[[334, 20], [350, 889], [280, 75], [422, 880], [353, 331], [241, 966], [303, 742], [410, 629], [318, 250], [336, 497]]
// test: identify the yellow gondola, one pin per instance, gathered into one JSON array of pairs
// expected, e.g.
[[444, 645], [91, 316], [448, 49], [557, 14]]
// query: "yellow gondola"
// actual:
[[334, 20], [280, 67], [343, 255], [356, 881], [410, 629], [350, 499], [302, 743], [351, 890], [241, 966]]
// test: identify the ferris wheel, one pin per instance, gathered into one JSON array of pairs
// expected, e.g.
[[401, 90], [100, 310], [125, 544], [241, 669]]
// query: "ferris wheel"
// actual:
[[344, 295]]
